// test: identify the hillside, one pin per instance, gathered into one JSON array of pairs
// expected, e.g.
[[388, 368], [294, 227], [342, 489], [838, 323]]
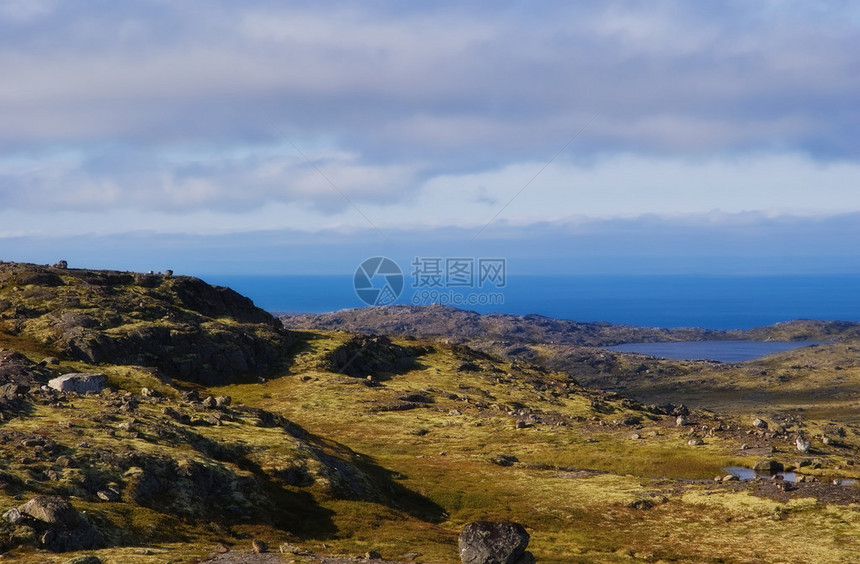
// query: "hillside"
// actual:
[[331, 444], [180, 325], [457, 325]]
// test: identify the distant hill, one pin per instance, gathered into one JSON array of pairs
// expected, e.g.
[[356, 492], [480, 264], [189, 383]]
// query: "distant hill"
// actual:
[[461, 326]]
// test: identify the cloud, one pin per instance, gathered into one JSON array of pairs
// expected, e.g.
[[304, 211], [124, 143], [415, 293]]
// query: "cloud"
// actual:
[[669, 77], [211, 191], [730, 244], [158, 117]]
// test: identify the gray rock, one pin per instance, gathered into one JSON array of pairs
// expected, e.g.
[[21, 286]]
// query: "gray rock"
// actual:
[[372, 555], [771, 466], [13, 516], [485, 542], [79, 382], [223, 401], [681, 421], [51, 510], [108, 494], [695, 442], [802, 443], [759, 423], [63, 528], [84, 560], [259, 547]]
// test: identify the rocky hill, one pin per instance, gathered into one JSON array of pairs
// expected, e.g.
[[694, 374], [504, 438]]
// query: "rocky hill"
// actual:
[[457, 325], [180, 325]]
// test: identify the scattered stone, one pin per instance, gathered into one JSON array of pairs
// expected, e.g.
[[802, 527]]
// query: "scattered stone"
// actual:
[[259, 547], [64, 528], [190, 395], [485, 542], [730, 478], [148, 393], [695, 442], [635, 436], [802, 444], [84, 560], [222, 548], [827, 440], [759, 423], [13, 516], [79, 382], [209, 402], [51, 360], [520, 424], [504, 460], [642, 504], [455, 412], [745, 446], [372, 555], [223, 401], [681, 421], [771, 466], [108, 494]]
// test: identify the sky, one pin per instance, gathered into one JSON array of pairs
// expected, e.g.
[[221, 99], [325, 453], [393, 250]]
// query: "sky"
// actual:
[[267, 137]]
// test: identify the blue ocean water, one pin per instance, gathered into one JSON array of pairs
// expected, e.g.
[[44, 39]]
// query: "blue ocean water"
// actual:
[[714, 302]]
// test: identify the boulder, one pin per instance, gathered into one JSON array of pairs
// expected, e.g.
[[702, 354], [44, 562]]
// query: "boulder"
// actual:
[[52, 510], [802, 444], [79, 382], [84, 560], [486, 542], [771, 466], [759, 423], [61, 527]]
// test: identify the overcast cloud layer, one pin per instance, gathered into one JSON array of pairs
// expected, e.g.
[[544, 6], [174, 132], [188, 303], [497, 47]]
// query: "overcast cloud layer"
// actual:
[[206, 118]]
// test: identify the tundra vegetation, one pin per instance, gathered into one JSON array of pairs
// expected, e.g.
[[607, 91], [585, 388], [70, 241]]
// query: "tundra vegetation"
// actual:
[[388, 430]]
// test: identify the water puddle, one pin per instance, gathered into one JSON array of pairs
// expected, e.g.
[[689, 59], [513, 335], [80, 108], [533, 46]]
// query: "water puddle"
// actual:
[[748, 474]]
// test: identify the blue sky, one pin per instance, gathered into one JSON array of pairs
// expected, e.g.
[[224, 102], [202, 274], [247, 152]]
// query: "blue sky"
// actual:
[[269, 137]]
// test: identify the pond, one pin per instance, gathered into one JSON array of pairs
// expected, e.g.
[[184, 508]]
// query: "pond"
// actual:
[[748, 474], [722, 351]]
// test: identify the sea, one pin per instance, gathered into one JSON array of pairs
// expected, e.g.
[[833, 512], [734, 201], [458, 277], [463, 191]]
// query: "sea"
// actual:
[[712, 302]]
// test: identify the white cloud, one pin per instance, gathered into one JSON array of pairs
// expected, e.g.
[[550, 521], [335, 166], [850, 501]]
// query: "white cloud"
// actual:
[[276, 192]]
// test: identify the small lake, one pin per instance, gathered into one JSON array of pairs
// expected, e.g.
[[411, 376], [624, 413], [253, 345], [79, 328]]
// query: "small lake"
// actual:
[[749, 474], [723, 351]]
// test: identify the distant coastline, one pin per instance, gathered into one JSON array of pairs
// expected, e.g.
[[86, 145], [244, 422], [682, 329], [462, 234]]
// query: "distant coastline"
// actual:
[[711, 302]]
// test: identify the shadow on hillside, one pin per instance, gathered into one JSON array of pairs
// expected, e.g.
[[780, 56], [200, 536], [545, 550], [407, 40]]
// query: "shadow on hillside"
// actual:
[[353, 476]]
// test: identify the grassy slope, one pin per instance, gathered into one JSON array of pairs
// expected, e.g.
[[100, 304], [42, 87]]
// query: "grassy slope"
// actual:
[[575, 486], [573, 516]]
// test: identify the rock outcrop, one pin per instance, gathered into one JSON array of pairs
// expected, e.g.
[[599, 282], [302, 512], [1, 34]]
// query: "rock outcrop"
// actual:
[[56, 523], [180, 325], [486, 542]]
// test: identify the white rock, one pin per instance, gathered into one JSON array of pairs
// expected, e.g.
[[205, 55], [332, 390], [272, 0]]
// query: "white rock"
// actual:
[[79, 382]]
